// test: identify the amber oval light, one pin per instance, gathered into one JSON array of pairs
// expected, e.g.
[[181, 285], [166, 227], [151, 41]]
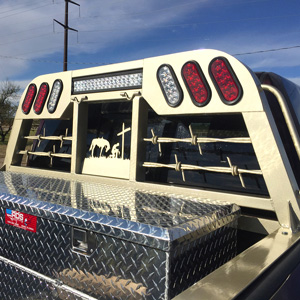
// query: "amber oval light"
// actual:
[[41, 98], [196, 83], [225, 81], [29, 97]]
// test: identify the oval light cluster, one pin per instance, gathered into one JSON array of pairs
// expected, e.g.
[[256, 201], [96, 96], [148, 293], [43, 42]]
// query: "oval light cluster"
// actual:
[[221, 73], [39, 99]]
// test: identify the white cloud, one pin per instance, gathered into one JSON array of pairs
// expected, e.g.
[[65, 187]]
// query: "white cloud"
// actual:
[[113, 23], [27, 32], [243, 42]]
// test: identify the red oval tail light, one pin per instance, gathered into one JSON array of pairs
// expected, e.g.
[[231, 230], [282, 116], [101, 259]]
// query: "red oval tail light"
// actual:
[[29, 97], [196, 83], [226, 82], [41, 98]]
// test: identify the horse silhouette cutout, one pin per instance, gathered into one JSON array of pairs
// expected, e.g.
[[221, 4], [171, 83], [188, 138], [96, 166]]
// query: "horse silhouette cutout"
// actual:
[[101, 143]]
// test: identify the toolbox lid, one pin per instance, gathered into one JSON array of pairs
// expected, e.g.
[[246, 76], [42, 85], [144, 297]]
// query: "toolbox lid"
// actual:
[[145, 217]]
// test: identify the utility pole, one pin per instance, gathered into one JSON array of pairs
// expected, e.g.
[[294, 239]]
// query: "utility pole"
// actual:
[[67, 28]]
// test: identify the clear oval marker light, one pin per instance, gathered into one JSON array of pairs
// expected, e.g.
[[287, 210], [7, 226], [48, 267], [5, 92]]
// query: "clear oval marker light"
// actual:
[[225, 80], [29, 97], [169, 85], [41, 98], [55, 95], [196, 83]]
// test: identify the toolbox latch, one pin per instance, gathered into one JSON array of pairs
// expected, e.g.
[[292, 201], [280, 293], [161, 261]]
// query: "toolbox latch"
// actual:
[[83, 241]]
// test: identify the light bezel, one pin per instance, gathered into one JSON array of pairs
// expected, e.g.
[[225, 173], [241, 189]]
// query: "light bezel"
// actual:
[[107, 75], [58, 96], [234, 77], [44, 100], [204, 81], [176, 83], [32, 100]]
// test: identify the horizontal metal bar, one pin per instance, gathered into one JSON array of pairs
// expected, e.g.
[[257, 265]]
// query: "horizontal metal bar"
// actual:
[[234, 170], [47, 154], [200, 140], [53, 138]]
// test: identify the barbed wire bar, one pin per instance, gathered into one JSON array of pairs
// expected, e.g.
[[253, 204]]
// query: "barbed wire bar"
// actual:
[[49, 154], [195, 140], [43, 136], [178, 166], [46, 154]]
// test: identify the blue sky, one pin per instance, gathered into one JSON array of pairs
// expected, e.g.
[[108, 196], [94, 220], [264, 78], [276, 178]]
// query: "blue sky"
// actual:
[[111, 31]]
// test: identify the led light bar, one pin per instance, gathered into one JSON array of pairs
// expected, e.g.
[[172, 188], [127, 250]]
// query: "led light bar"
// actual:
[[41, 98], [196, 83], [169, 85], [108, 82], [226, 82], [29, 97], [54, 95]]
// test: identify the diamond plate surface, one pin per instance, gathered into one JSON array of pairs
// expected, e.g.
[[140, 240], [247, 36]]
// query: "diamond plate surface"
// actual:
[[148, 246], [123, 212], [17, 284], [116, 268]]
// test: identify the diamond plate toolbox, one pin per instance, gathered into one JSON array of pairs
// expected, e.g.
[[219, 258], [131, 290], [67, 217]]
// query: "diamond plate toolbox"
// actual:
[[106, 241]]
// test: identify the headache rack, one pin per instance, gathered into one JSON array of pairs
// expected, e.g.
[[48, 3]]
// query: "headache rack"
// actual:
[[147, 167]]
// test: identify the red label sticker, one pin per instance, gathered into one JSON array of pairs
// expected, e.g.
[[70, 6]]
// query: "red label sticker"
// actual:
[[20, 220]]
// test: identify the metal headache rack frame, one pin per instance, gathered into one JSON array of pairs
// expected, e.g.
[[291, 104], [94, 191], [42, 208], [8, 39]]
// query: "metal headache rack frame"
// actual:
[[251, 104], [93, 193]]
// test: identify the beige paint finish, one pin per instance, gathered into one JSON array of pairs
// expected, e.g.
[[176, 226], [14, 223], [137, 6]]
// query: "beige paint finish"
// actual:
[[281, 183], [151, 90], [253, 105], [153, 95], [64, 99], [234, 276]]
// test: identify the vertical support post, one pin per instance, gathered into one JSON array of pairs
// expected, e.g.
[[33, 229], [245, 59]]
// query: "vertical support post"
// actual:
[[80, 123], [138, 133]]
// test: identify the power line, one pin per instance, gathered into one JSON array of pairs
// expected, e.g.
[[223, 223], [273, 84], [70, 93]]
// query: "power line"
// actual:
[[23, 5], [37, 7], [101, 63], [268, 50], [48, 61], [195, 23], [178, 6]]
